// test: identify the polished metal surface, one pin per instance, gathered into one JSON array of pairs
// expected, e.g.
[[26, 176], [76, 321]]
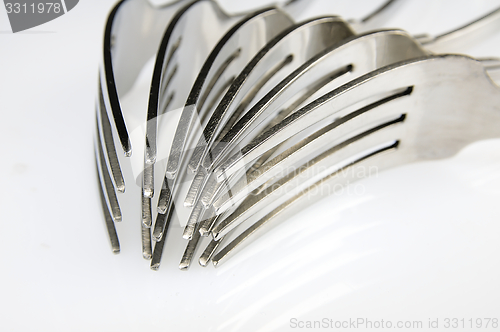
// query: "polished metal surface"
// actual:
[[264, 72], [269, 112], [226, 60], [106, 182], [338, 65], [230, 53], [267, 68], [122, 59], [389, 46], [243, 91], [108, 219], [429, 118], [105, 131], [202, 178]]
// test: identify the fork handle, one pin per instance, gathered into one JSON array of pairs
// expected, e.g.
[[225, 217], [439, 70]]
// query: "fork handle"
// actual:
[[465, 36]]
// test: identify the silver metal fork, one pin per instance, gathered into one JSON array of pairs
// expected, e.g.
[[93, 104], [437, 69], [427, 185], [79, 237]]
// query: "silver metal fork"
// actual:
[[260, 61], [214, 76], [122, 60], [201, 179], [422, 109], [252, 122], [120, 66], [250, 85], [316, 73], [265, 107]]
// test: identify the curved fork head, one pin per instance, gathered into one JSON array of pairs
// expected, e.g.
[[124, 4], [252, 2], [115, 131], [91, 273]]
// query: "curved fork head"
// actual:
[[361, 55], [122, 60], [180, 57], [225, 61], [224, 58], [451, 103], [274, 62], [339, 64], [449, 74]]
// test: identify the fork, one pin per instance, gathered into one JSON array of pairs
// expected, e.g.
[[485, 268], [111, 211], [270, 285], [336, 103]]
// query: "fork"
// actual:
[[180, 141], [213, 72], [244, 95], [237, 135], [439, 104], [229, 192], [339, 30], [221, 145], [332, 29], [122, 60], [194, 219]]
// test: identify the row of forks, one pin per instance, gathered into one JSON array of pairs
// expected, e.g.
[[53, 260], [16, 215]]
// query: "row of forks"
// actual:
[[271, 113]]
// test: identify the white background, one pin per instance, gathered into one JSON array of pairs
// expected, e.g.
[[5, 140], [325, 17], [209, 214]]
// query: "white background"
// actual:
[[423, 241]]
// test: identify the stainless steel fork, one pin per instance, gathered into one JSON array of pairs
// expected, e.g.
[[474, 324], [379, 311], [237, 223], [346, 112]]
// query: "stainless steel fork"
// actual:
[[422, 109]]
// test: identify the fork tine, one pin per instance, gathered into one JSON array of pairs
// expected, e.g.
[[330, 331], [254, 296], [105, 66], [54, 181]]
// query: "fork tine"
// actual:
[[109, 88], [198, 182], [110, 225], [146, 212], [342, 63], [346, 126], [164, 200], [212, 72], [338, 154], [104, 129], [209, 251], [105, 179], [118, 75], [146, 242], [159, 245], [294, 203], [148, 187], [193, 221], [163, 61], [190, 250], [207, 225]]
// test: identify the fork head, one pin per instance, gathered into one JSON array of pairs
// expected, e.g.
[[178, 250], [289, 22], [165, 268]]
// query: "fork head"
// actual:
[[122, 60], [354, 57], [429, 91], [432, 114], [275, 61]]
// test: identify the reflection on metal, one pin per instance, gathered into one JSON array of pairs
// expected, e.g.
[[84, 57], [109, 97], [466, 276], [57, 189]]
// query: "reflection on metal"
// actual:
[[271, 114]]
